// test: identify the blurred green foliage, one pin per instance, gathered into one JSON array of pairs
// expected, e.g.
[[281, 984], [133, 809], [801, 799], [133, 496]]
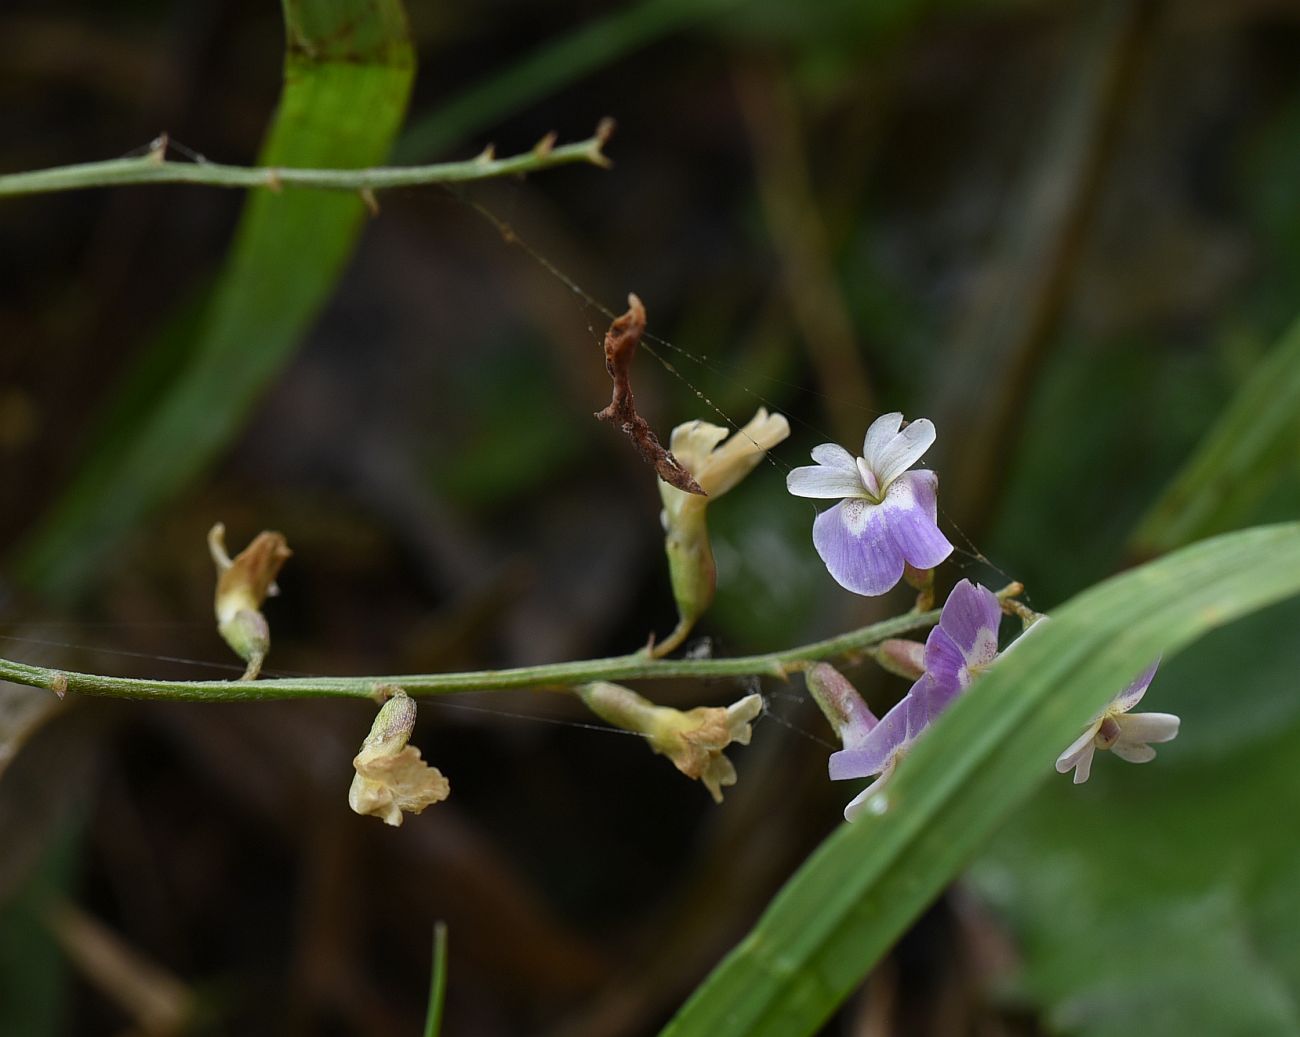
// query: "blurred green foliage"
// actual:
[[348, 69]]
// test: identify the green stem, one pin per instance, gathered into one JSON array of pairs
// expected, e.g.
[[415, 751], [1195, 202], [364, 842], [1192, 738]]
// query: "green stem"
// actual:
[[638, 666], [156, 168]]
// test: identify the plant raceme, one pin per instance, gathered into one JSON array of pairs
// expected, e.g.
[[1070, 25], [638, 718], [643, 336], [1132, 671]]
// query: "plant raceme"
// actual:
[[887, 519], [957, 651]]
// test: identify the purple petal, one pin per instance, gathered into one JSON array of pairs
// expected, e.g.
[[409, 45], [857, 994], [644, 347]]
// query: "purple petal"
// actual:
[[971, 616], [944, 660], [832, 455], [825, 483], [854, 541], [910, 506], [1132, 695], [929, 697], [885, 739]]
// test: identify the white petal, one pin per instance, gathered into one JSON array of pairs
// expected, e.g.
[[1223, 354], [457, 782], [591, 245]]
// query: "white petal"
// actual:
[[832, 455], [1083, 768], [824, 483], [879, 435], [1134, 752], [1147, 727], [1078, 749], [903, 451]]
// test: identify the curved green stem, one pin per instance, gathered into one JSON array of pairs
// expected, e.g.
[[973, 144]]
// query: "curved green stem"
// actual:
[[155, 168], [638, 666]]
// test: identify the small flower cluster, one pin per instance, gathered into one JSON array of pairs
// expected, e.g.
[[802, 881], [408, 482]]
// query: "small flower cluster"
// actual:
[[962, 646], [886, 521]]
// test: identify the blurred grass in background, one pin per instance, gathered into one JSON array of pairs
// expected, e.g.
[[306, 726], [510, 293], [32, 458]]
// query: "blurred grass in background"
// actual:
[[1068, 232]]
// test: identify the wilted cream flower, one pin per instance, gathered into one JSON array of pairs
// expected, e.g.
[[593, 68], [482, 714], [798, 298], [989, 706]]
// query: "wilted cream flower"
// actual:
[[391, 777], [242, 585], [693, 740], [717, 466]]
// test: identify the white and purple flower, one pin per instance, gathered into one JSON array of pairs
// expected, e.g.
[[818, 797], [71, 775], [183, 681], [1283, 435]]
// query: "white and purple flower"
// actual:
[[963, 644], [1127, 735], [887, 515]]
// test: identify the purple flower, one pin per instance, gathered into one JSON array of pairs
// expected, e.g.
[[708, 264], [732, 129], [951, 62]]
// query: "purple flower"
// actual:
[[957, 650], [888, 515], [1127, 735]]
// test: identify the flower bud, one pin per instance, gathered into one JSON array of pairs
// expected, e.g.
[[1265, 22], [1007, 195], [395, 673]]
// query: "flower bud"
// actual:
[[391, 777], [839, 700], [693, 740], [901, 657], [242, 585], [716, 467]]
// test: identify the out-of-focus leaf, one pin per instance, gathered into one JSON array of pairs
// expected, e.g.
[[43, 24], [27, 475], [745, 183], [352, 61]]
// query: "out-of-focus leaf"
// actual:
[[870, 880], [551, 67], [347, 75], [22, 711], [33, 975], [1169, 896], [1254, 445]]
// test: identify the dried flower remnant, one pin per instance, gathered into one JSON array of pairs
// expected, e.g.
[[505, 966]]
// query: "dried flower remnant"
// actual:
[[391, 777], [717, 463], [961, 647], [621, 340], [693, 739], [1128, 735], [243, 584], [887, 517]]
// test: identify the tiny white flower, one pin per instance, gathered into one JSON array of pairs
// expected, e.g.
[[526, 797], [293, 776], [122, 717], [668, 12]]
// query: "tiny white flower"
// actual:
[[1127, 735]]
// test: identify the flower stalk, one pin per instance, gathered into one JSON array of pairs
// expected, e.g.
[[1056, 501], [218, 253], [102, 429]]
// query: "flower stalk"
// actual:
[[636, 666]]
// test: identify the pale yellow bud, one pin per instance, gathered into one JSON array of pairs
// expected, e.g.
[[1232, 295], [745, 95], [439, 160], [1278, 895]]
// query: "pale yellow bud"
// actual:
[[717, 466]]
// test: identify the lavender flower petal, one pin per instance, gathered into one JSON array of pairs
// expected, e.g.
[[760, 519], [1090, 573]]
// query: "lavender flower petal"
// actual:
[[885, 739], [1132, 695], [910, 506], [944, 659], [928, 697], [853, 539], [822, 482], [971, 617], [832, 455]]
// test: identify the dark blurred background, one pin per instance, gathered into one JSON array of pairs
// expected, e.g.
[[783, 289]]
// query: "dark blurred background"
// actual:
[[1065, 231]]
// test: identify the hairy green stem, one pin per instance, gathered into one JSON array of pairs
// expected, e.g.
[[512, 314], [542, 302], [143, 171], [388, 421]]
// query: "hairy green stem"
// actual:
[[155, 168], [638, 666]]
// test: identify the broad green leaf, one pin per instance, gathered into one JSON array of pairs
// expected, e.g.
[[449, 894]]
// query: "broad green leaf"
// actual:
[[347, 75], [863, 887], [1253, 446]]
